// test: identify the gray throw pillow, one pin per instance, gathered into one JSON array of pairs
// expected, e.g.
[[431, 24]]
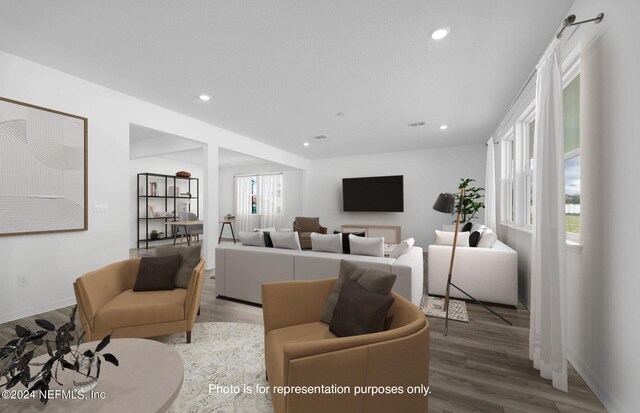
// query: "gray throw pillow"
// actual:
[[190, 258], [375, 281], [359, 311]]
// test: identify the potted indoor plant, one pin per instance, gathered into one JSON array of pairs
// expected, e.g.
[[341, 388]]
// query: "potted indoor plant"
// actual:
[[472, 202], [62, 345]]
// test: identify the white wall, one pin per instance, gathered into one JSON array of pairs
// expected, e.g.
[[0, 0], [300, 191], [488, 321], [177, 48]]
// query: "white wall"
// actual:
[[292, 190], [602, 277], [164, 166], [427, 173], [52, 261]]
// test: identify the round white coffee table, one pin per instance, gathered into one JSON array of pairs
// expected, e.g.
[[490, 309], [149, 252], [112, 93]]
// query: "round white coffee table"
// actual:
[[148, 380]]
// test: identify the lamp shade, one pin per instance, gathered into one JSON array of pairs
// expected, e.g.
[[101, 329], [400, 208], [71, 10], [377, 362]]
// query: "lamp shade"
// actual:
[[446, 203]]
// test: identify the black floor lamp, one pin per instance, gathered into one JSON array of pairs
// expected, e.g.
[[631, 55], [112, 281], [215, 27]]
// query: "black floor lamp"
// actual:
[[446, 203]]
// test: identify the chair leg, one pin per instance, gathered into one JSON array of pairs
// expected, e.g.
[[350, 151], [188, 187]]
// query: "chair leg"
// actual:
[[188, 337]]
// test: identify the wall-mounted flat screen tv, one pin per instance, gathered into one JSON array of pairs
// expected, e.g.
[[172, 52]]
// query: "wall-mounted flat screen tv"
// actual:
[[373, 194]]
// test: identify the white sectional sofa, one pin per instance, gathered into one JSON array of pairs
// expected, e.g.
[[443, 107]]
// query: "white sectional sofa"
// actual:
[[241, 270], [488, 274]]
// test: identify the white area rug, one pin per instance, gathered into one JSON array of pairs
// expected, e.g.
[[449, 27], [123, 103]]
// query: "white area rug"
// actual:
[[224, 354], [434, 307]]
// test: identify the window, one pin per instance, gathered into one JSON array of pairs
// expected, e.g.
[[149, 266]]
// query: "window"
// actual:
[[571, 109], [528, 167], [508, 177], [259, 194]]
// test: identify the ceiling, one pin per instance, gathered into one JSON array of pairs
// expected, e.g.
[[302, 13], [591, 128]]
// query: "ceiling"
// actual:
[[147, 142], [279, 71]]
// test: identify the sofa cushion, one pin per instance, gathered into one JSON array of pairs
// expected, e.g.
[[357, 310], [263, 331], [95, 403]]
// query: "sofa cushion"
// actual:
[[308, 224], [345, 240], [285, 240], [326, 243], [488, 239], [467, 227], [380, 282], [254, 239], [446, 238], [401, 248], [190, 258], [373, 247], [359, 311], [131, 308], [157, 273]]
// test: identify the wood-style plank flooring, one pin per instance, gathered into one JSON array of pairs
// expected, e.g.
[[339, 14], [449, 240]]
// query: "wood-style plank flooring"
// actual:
[[481, 366]]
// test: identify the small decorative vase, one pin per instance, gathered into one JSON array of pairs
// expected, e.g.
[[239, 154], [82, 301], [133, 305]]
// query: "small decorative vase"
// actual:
[[85, 379]]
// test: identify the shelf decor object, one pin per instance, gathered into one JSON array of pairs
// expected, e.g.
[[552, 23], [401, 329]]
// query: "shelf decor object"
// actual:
[[446, 203], [43, 170]]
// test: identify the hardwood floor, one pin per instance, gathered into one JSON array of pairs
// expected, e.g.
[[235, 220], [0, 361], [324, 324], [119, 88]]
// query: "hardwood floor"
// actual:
[[481, 366]]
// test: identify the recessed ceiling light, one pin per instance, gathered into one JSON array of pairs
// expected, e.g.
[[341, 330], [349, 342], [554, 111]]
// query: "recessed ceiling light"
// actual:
[[320, 137], [440, 33], [341, 114], [443, 127], [305, 144], [414, 124], [205, 98]]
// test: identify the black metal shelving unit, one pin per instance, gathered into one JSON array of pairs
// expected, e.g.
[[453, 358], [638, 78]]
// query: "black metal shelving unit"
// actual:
[[163, 183]]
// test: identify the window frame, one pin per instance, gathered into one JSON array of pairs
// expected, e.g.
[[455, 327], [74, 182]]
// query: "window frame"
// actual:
[[571, 70], [528, 174], [508, 161]]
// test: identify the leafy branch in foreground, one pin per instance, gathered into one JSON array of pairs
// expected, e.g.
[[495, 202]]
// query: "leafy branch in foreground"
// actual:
[[62, 345]]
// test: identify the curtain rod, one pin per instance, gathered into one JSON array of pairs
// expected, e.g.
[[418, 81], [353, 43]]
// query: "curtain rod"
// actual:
[[568, 22], [571, 21], [241, 176]]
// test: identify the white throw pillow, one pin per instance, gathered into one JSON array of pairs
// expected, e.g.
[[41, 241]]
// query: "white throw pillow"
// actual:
[[401, 248], [255, 239], [366, 246], [285, 240], [487, 239], [446, 238], [270, 229], [326, 243]]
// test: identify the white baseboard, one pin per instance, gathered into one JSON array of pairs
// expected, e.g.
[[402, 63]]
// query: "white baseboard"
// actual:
[[602, 392], [28, 312]]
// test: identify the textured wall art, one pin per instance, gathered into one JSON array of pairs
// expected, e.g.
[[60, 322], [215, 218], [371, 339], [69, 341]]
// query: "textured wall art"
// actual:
[[43, 170]]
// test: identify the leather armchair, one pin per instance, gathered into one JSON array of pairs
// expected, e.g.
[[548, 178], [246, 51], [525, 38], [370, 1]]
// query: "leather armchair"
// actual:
[[107, 302], [301, 351], [305, 226]]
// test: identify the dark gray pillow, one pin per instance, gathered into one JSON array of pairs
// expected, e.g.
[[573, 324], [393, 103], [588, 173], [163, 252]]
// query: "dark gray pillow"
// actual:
[[373, 280], [467, 227], [157, 273], [190, 258], [359, 311], [346, 249]]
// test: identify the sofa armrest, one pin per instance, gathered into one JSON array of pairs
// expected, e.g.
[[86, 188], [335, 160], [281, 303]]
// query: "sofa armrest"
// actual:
[[488, 274], [194, 290], [299, 350], [95, 289], [289, 303]]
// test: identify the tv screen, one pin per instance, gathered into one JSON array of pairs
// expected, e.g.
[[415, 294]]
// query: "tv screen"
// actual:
[[373, 194]]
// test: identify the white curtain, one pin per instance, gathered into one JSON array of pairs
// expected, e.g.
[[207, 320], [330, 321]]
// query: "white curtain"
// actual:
[[243, 203], [270, 200], [490, 188], [547, 342]]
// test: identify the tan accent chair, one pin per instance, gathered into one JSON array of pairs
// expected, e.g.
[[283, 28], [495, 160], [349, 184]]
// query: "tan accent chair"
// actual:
[[107, 302], [305, 226], [301, 351]]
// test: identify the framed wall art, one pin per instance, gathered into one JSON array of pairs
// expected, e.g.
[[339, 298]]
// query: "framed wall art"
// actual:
[[43, 170]]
